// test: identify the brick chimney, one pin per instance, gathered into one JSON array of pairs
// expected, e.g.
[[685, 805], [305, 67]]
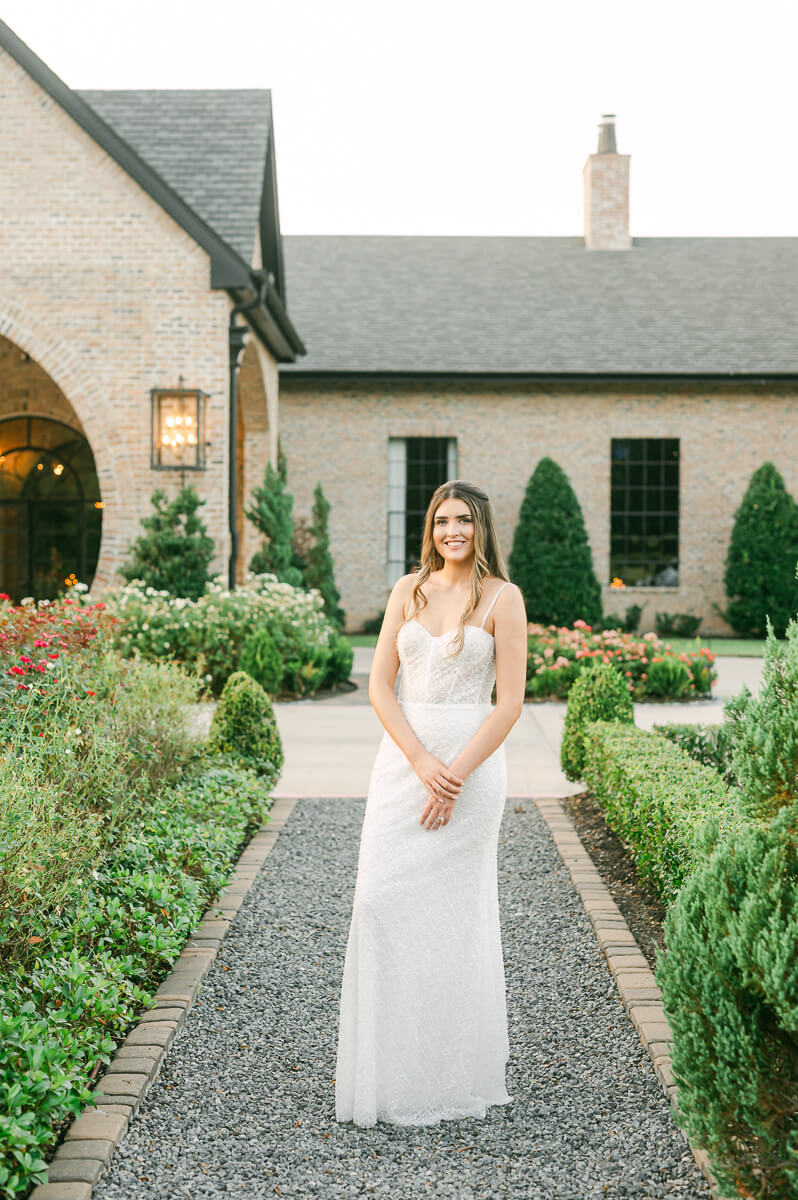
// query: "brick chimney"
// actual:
[[606, 175]]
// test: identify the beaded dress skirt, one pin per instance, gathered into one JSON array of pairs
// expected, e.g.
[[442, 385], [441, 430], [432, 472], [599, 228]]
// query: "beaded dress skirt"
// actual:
[[423, 1018]]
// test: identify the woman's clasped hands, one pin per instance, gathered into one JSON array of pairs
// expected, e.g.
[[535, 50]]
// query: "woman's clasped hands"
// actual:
[[443, 788]]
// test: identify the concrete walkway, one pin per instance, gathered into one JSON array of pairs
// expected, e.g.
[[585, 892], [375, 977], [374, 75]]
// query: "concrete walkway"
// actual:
[[330, 744]]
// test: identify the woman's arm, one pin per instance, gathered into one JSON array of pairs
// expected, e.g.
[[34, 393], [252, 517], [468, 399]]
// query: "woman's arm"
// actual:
[[510, 635], [439, 780]]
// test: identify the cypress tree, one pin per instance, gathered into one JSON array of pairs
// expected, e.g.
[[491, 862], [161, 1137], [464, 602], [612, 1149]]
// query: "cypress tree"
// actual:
[[319, 570], [175, 552], [760, 564], [271, 512], [550, 559]]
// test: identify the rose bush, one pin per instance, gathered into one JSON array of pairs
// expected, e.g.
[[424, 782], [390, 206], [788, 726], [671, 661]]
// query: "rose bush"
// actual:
[[557, 655], [210, 633]]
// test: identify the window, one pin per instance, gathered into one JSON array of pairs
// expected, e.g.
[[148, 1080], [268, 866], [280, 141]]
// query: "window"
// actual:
[[644, 503], [416, 466]]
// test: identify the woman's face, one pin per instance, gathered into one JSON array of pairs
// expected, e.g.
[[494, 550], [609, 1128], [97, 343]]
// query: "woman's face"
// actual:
[[453, 531]]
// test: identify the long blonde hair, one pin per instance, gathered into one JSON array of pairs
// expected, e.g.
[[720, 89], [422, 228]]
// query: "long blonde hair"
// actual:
[[488, 557]]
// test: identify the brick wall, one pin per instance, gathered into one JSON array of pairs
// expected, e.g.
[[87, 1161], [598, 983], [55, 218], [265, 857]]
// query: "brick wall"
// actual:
[[109, 297], [337, 432]]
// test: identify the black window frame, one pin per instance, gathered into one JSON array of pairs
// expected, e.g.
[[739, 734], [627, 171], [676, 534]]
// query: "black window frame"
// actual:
[[645, 482]]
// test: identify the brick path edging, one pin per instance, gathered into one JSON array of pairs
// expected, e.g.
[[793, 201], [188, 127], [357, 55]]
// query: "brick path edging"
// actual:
[[82, 1158], [640, 994]]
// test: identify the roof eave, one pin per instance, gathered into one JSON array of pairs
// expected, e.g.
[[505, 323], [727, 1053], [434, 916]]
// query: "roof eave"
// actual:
[[488, 376], [270, 321]]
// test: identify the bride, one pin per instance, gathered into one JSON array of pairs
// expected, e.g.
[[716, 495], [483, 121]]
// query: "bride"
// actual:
[[423, 1020]]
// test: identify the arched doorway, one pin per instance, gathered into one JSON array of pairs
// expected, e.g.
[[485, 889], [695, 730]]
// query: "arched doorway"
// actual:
[[50, 508]]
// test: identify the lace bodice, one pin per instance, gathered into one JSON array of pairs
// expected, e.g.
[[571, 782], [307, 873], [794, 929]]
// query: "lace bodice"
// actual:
[[431, 674]]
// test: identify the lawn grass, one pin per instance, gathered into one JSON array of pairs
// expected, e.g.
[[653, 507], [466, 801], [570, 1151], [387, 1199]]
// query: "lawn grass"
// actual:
[[721, 646], [744, 647]]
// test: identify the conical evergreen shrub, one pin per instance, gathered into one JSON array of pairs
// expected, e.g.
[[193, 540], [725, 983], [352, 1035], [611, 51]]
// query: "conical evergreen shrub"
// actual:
[[550, 559], [271, 512], [319, 570], [760, 565], [729, 980], [175, 553]]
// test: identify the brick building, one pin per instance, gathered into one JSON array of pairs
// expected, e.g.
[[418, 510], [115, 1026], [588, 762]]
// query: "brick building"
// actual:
[[131, 224], [658, 372]]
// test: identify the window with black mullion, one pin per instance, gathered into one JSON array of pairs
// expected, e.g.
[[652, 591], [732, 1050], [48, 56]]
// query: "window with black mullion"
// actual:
[[427, 466], [644, 518]]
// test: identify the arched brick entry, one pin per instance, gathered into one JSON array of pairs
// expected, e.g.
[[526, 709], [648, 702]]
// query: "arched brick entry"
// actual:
[[70, 371], [253, 448]]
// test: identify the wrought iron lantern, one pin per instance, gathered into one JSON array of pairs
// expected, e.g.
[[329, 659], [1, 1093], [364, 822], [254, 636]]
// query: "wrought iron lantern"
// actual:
[[178, 429]]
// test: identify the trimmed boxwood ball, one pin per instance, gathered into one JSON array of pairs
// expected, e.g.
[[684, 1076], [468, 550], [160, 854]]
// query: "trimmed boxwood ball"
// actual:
[[261, 658], [729, 980], [244, 725], [550, 559], [599, 694]]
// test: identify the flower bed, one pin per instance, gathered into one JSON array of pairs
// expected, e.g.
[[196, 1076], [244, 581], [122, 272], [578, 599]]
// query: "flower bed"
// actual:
[[210, 634], [653, 671], [115, 832]]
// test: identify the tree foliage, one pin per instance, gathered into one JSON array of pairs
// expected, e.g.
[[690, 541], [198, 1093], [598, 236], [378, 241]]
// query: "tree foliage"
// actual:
[[550, 559], [270, 513], [760, 565], [319, 571], [176, 551]]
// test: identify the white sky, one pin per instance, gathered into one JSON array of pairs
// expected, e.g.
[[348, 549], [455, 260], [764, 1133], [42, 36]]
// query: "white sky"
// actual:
[[475, 116]]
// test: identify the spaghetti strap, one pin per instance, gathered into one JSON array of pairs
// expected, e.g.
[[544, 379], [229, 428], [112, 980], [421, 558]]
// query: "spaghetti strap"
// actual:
[[493, 601]]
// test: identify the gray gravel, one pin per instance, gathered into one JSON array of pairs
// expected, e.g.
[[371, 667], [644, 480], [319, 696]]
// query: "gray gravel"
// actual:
[[244, 1104]]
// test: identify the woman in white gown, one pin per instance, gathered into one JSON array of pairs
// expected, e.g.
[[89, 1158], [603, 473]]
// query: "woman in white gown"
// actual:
[[423, 1020]]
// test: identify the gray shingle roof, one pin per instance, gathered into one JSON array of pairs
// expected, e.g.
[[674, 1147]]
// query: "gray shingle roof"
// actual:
[[722, 306], [209, 145]]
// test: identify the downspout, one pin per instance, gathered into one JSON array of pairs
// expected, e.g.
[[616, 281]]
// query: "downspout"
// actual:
[[236, 338]]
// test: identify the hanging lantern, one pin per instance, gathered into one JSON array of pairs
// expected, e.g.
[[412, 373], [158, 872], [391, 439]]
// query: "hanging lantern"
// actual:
[[178, 429]]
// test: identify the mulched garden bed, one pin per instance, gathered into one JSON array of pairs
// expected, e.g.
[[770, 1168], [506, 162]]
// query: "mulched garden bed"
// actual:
[[642, 909]]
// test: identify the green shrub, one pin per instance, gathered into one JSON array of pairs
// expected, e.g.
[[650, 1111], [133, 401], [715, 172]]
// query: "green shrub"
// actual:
[[176, 551], [339, 667], [760, 565], [707, 744], [70, 989], [244, 726], [668, 678], [684, 625], [319, 571], [729, 980], [551, 560], [657, 799], [600, 694], [270, 513], [261, 658], [628, 623], [210, 633], [764, 730]]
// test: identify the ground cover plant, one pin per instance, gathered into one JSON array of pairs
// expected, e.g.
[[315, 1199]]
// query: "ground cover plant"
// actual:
[[115, 831], [212, 632], [650, 668]]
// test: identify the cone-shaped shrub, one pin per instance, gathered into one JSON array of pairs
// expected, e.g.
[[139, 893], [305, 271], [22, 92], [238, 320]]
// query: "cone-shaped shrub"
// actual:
[[729, 980], [764, 731], [174, 554], [244, 725], [551, 560], [319, 570], [760, 565], [599, 694], [271, 514]]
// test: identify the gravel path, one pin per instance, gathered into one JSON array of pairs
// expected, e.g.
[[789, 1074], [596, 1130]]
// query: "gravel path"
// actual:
[[244, 1104]]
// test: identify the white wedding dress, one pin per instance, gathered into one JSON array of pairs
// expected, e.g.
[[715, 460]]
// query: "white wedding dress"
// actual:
[[423, 1022]]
